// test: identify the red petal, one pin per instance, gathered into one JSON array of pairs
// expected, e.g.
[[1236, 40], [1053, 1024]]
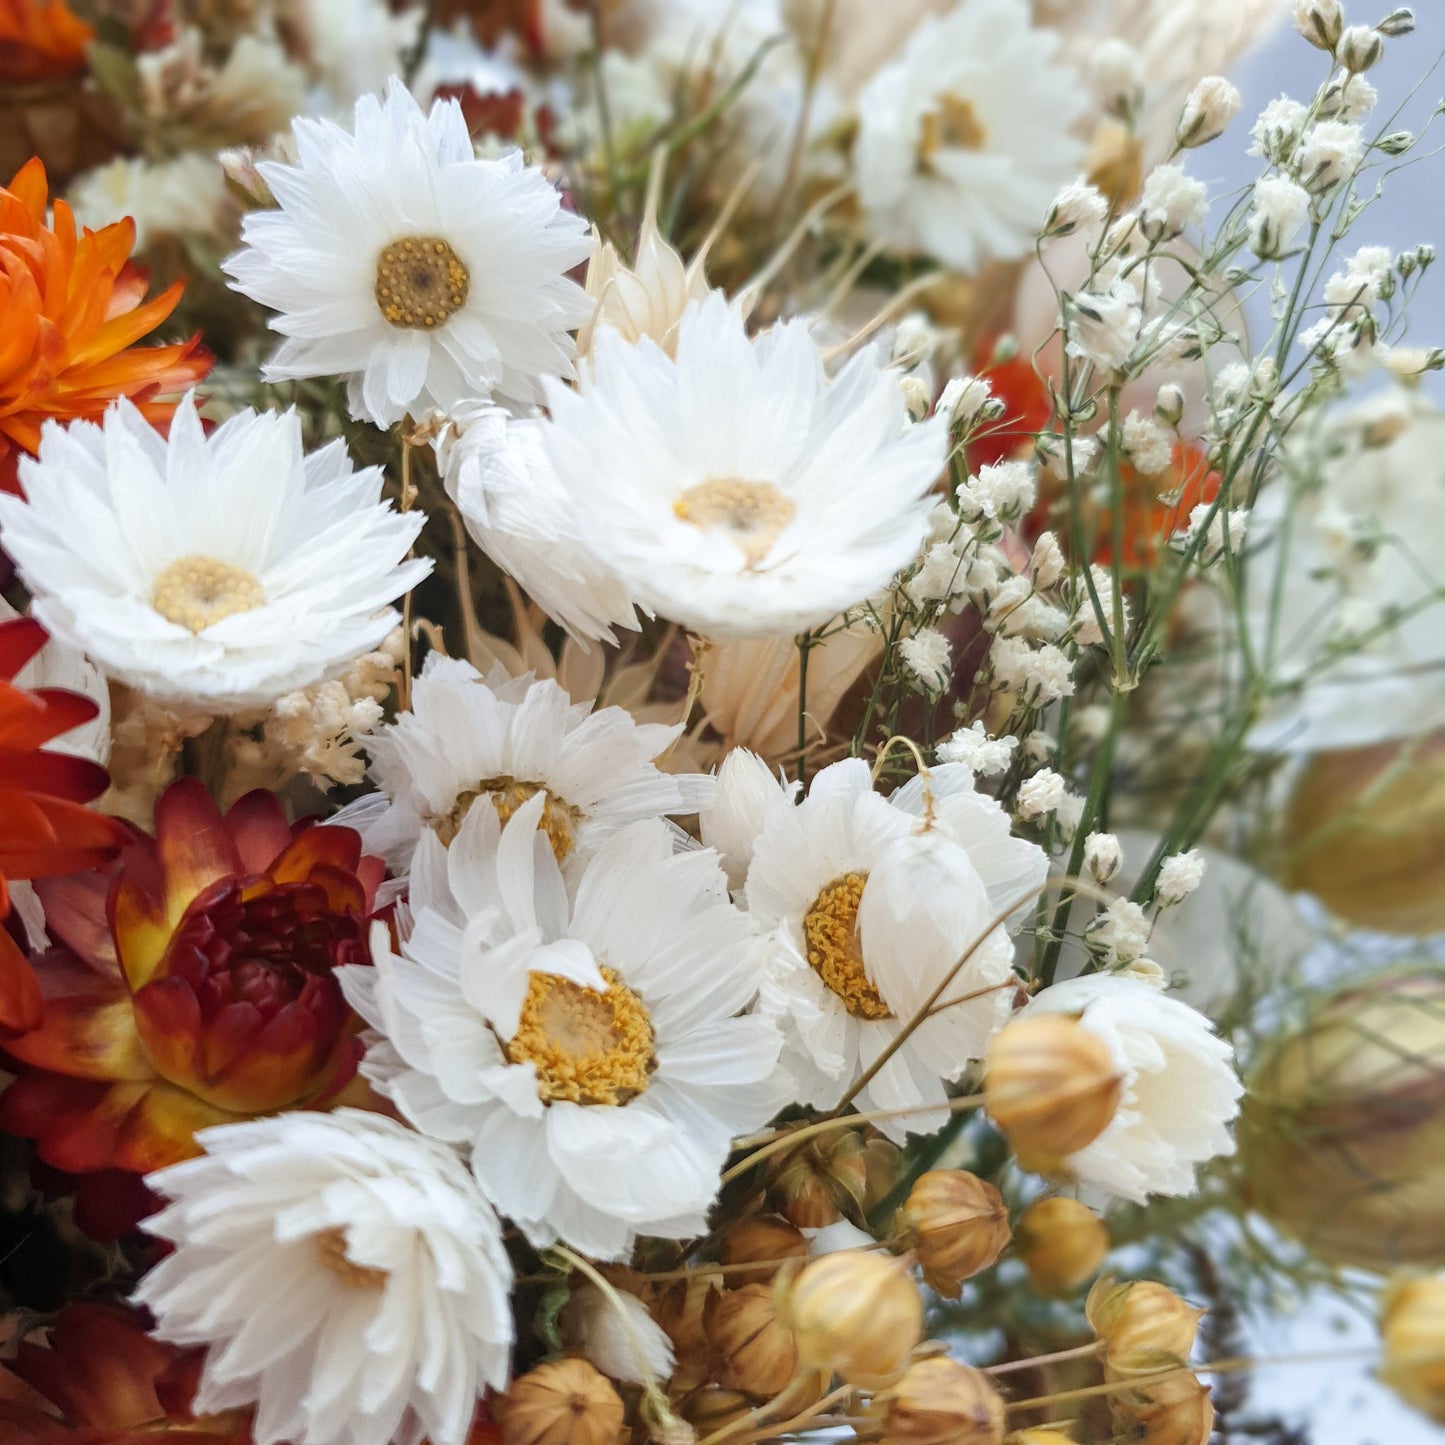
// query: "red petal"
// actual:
[[20, 640], [195, 847], [20, 1006]]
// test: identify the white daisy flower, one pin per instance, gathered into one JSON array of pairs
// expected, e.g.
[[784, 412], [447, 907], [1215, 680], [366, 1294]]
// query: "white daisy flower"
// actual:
[[508, 739], [217, 571], [345, 1273], [586, 1045], [400, 259], [870, 902], [736, 489], [1181, 1091], [964, 139]]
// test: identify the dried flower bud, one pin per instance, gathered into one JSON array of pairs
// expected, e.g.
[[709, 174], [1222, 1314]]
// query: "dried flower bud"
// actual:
[[814, 1183], [754, 1350], [1062, 1243], [1412, 1321], [712, 1407], [1357, 1093], [1051, 1086], [1169, 406], [855, 1314], [1173, 1410], [958, 1226], [1211, 105], [1365, 833], [1397, 23], [1145, 1326], [1059, 1434], [1321, 22], [682, 1312], [1360, 47], [939, 1401], [761, 1237], [564, 1403]]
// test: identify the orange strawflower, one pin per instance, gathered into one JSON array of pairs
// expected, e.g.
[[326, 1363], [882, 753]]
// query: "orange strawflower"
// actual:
[[74, 307], [196, 985], [41, 40], [45, 827]]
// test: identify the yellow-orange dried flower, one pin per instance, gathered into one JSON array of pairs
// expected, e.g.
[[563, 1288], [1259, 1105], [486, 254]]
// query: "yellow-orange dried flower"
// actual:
[[1062, 1243], [957, 1227], [1144, 1325], [765, 1238], [563, 1403], [815, 1184], [752, 1348], [1412, 1322], [1172, 1410], [939, 1401], [855, 1313], [1051, 1086]]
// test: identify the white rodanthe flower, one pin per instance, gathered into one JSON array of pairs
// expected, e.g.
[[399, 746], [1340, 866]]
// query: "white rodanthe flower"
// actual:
[[1181, 1091], [60, 665], [965, 138], [585, 1044], [399, 259], [217, 571], [869, 905], [748, 791], [184, 196], [346, 1274], [736, 489], [502, 740]]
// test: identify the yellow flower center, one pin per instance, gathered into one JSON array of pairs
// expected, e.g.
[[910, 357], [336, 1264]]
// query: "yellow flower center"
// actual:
[[197, 592], [751, 514], [559, 819], [830, 929], [331, 1245], [588, 1047], [952, 124], [420, 282]]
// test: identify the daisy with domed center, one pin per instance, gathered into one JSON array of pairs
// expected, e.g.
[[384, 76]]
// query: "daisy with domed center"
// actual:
[[736, 487], [869, 903], [399, 258], [180, 565], [585, 1042], [502, 740]]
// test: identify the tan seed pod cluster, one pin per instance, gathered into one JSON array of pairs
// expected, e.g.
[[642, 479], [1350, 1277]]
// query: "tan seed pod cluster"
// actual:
[[1062, 1243], [938, 1401], [566, 1402], [767, 1239], [752, 1348], [957, 1227]]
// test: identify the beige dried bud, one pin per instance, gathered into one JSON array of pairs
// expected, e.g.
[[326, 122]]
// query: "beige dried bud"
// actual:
[[1361, 47], [816, 1184], [681, 1311], [957, 1227], [1062, 1243], [1173, 1410], [1211, 105], [753, 1349], [563, 1403], [938, 1401], [1321, 22], [1144, 1325], [1051, 1086], [712, 1407], [855, 1313], [1412, 1322], [1060, 1434], [765, 1238]]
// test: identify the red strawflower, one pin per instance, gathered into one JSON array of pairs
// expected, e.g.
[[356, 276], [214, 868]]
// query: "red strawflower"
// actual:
[[196, 985], [45, 827], [41, 40]]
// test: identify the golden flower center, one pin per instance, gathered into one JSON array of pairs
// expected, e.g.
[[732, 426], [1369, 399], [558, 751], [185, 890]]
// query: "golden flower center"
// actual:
[[587, 1047], [830, 929], [197, 592], [331, 1245], [559, 820], [420, 282], [952, 124], [751, 514]]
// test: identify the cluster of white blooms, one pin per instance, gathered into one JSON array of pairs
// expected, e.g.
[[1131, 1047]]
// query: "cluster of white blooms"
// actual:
[[977, 751], [1172, 202], [1150, 447], [1038, 675], [1214, 531], [927, 656], [1120, 933], [1179, 875]]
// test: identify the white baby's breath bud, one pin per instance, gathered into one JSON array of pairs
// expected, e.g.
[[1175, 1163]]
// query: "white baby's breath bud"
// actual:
[[1179, 876], [1086, 626], [1171, 202], [1224, 533], [943, 523], [1120, 933], [1069, 814], [914, 340], [1396, 143], [1040, 794], [1345, 96], [926, 654], [963, 398], [1003, 492], [916, 396], [1037, 675], [1212, 104], [1321, 22], [1090, 724], [1103, 856], [1360, 47], [1278, 128], [1410, 363], [1148, 446], [1116, 73], [1047, 563], [1059, 453], [1040, 747], [1145, 970], [1397, 23], [1169, 406], [1281, 207], [973, 747], [938, 576], [1329, 154], [1077, 207], [1103, 326]]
